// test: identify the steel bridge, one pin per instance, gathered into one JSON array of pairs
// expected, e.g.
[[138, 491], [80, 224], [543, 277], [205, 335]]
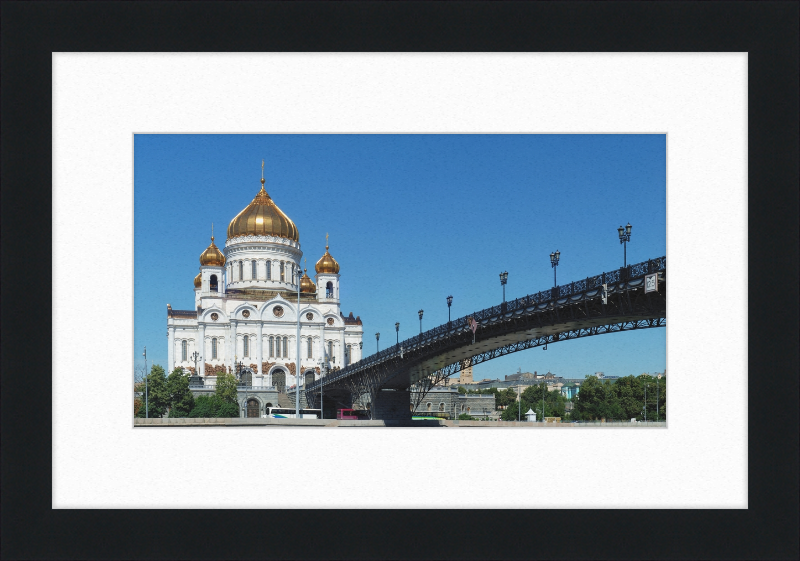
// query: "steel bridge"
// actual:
[[389, 378]]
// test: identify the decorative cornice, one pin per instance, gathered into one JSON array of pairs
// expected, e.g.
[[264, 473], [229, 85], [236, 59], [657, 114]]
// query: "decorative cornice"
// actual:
[[240, 240]]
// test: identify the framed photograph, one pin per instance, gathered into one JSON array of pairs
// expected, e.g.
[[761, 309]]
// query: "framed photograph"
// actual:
[[80, 80]]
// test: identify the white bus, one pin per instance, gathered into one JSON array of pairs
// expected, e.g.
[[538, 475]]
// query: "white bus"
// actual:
[[284, 413]]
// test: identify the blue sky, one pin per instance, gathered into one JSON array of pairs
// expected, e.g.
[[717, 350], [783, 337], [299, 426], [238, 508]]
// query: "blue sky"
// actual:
[[412, 219]]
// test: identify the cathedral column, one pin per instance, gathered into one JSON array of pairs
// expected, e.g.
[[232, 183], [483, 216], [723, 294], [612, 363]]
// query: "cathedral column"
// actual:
[[233, 354], [260, 346], [342, 350], [322, 351], [201, 348], [171, 350]]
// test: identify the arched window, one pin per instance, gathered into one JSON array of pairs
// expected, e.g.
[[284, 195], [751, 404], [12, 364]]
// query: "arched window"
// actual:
[[272, 346], [348, 355], [441, 406], [183, 351], [428, 406], [241, 270], [308, 342], [283, 274], [254, 271], [214, 348], [285, 347], [330, 350], [213, 282], [329, 290], [246, 341], [269, 270]]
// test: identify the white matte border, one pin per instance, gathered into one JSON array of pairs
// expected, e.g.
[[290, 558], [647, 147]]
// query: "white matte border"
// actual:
[[101, 99]]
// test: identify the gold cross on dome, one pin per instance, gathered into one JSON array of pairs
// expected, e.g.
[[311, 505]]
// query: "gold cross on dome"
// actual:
[[326, 240], [262, 169]]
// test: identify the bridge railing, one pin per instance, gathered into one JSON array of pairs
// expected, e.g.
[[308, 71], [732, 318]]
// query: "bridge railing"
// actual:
[[462, 324]]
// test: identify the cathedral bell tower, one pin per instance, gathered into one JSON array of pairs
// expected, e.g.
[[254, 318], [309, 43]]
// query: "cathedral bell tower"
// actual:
[[327, 277], [212, 269]]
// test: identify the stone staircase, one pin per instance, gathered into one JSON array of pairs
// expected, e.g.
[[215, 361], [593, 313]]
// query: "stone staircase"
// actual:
[[287, 400]]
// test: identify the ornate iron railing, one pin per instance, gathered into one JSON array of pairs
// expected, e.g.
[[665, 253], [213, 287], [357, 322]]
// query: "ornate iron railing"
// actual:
[[529, 303]]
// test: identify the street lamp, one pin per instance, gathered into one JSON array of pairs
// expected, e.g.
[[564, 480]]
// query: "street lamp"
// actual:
[[146, 407], [420, 322], [624, 238], [397, 331], [195, 356], [503, 281], [554, 257], [298, 276], [377, 343], [449, 303]]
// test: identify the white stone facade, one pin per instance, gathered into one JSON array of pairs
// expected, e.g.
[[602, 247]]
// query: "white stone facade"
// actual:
[[252, 318]]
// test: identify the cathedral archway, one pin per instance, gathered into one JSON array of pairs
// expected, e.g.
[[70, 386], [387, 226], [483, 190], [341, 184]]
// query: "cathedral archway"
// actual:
[[252, 407], [279, 380]]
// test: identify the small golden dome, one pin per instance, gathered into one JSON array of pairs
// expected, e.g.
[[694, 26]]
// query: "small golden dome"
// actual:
[[212, 256], [197, 281], [327, 264], [262, 217], [306, 284]]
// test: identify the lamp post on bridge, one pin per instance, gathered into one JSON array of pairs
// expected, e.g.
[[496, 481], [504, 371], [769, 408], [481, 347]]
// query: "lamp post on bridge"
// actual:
[[195, 356], [624, 238], [377, 342], [420, 322], [397, 331], [449, 303], [554, 258], [503, 281]]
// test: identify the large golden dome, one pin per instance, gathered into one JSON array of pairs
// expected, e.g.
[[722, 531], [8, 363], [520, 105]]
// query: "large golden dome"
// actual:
[[306, 284], [262, 217], [198, 282], [212, 256], [327, 264]]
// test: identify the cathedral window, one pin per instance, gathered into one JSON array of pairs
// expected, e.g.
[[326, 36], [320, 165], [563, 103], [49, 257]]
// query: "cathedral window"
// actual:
[[214, 348], [183, 351], [330, 350], [285, 347], [213, 282], [329, 290], [254, 273], [246, 342], [269, 270], [241, 270], [272, 346], [283, 274], [308, 342]]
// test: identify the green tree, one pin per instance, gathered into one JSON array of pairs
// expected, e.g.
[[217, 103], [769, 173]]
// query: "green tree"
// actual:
[[462, 389], [181, 400], [206, 406], [157, 399], [226, 389]]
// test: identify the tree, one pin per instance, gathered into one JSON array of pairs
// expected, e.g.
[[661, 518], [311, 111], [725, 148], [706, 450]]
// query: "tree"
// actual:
[[462, 389], [226, 389], [181, 400], [207, 406], [158, 398]]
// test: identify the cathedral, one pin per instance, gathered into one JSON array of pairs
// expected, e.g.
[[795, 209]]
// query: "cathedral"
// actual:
[[246, 311]]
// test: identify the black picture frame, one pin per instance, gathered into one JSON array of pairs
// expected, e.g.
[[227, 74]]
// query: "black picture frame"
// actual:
[[767, 31]]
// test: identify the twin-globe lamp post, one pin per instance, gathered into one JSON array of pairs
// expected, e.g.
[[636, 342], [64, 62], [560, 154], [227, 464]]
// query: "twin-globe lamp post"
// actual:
[[503, 281], [420, 322], [624, 238], [554, 257]]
